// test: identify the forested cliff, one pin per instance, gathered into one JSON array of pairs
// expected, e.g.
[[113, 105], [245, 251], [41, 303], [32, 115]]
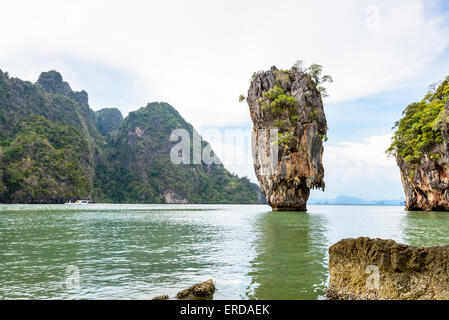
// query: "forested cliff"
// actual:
[[421, 147], [54, 148]]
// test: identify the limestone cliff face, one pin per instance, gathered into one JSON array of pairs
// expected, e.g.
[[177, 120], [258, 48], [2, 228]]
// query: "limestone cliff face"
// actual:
[[426, 183], [287, 107], [371, 269]]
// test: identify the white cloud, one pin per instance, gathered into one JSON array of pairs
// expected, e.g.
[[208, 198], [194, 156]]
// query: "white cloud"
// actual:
[[199, 55], [233, 148], [371, 152], [351, 168], [361, 169]]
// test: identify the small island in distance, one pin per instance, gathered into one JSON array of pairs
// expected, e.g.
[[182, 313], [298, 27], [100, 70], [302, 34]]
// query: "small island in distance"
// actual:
[[349, 200]]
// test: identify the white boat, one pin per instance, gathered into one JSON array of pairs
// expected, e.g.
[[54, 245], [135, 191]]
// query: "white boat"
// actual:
[[80, 202]]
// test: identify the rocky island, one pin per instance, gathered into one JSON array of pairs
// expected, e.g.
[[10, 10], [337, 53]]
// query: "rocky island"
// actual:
[[421, 148], [289, 127]]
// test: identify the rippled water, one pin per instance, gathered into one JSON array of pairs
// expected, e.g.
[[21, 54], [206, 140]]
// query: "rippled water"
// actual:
[[140, 251]]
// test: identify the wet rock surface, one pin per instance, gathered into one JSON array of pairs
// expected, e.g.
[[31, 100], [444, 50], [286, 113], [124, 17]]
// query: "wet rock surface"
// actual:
[[200, 291], [203, 290], [373, 269]]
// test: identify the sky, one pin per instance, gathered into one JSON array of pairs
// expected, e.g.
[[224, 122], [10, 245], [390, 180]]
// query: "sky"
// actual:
[[199, 57]]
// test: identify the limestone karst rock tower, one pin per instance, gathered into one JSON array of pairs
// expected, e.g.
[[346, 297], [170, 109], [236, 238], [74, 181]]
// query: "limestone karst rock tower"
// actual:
[[288, 134], [421, 148]]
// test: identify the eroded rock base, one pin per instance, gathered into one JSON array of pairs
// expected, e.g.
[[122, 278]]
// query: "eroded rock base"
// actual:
[[374, 269]]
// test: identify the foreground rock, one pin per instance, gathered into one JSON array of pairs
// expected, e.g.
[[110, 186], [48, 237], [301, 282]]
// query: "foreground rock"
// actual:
[[204, 290], [371, 269], [421, 148], [200, 291], [163, 297], [286, 105]]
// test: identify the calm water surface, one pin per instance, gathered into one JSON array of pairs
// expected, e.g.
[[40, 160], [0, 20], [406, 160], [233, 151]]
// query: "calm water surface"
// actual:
[[140, 251]]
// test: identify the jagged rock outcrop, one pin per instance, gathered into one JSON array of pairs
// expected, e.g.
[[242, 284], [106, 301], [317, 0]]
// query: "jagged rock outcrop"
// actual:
[[200, 291], [52, 82], [204, 290], [48, 139], [371, 269], [426, 186], [289, 128], [108, 120], [421, 148]]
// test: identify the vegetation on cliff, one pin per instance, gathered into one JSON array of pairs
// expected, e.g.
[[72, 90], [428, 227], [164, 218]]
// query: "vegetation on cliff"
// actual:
[[48, 138], [419, 131], [54, 148], [108, 120], [45, 162], [138, 168], [289, 103], [420, 146], [279, 99]]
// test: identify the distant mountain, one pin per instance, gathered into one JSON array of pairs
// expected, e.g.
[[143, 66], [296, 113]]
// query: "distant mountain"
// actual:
[[137, 167], [54, 148], [47, 141], [348, 200]]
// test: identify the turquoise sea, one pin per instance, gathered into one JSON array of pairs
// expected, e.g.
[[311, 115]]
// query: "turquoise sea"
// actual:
[[141, 251]]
